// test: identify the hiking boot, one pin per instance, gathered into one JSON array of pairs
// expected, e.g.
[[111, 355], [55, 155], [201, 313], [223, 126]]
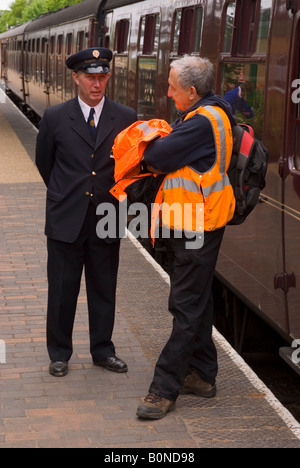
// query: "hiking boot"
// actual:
[[155, 407], [194, 384]]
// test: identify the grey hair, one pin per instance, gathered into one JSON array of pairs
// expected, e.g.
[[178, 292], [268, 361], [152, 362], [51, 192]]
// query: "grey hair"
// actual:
[[197, 72]]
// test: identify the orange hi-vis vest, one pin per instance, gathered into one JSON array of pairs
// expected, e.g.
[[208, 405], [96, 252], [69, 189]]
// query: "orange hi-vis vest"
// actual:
[[128, 152], [197, 202]]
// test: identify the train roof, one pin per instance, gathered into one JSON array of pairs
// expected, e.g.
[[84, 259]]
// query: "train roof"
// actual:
[[111, 4], [83, 9], [14, 31]]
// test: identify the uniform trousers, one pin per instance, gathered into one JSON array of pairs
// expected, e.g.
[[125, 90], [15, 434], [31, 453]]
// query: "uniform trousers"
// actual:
[[65, 266], [191, 304]]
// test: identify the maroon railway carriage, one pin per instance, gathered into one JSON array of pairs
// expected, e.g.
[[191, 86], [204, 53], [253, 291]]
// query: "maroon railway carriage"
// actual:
[[255, 46]]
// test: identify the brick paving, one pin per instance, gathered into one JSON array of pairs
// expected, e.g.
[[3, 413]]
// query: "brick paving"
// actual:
[[92, 407]]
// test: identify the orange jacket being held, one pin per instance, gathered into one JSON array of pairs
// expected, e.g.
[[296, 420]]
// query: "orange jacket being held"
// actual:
[[128, 151]]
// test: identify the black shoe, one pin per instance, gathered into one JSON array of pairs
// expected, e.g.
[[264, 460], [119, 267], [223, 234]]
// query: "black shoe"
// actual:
[[58, 368], [113, 364]]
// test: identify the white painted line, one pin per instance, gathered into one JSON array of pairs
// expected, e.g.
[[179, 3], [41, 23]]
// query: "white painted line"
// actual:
[[285, 415]]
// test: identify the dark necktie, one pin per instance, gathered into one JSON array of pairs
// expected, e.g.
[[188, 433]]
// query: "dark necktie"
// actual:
[[91, 124]]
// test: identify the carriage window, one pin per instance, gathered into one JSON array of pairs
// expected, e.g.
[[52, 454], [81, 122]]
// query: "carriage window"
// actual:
[[122, 33], [80, 41], [147, 71], [229, 27], [52, 45], [44, 42], [176, 32], [187, 30], [107, 31], [197, 29], [246, 16], [149, 34], [243, 86], [69, 44], [246, 28], [120, 79], [59, 44], [142, 32], [264, 26], [147, 67]]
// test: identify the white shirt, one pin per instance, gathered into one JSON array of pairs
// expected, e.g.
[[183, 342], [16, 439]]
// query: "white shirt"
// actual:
[[86, 110]]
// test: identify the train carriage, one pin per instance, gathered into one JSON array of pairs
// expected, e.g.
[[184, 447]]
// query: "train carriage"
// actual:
[[12, 59], [255, 46]]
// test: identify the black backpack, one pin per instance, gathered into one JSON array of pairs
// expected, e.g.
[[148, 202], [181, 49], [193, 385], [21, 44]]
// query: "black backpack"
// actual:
[[247, 171]]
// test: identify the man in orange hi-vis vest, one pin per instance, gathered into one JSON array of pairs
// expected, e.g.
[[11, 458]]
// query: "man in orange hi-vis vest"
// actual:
[[195, 157]]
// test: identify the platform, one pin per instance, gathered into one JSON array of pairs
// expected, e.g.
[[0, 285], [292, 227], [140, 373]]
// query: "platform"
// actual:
[[92, 407]]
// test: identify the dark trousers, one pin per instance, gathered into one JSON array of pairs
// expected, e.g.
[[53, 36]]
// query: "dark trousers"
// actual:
[[65, 266], [191, 304]]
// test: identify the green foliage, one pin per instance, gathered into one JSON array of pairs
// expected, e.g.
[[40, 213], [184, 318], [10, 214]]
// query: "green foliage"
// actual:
[[22, 11]]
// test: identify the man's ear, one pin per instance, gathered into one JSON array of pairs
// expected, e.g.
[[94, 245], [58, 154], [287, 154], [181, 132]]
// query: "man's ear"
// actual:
[[75, 78], [193, 93]]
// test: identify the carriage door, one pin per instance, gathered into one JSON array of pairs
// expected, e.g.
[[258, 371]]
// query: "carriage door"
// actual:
[[27, 70], [147, 65], [292, 185], [45, 69]]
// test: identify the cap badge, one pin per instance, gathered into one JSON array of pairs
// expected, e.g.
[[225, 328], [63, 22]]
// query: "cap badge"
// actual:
[[96, 53]]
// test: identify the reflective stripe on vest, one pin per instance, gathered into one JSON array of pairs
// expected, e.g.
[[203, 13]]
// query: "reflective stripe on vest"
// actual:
[[178, 182], [221, 128], [216, 187], [191, 186]]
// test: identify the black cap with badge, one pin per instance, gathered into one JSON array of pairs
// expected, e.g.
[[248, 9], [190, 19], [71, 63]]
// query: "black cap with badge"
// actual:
[[93, 60]]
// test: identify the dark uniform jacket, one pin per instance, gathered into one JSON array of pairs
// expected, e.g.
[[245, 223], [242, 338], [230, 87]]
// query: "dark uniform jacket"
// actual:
[[73, 167]]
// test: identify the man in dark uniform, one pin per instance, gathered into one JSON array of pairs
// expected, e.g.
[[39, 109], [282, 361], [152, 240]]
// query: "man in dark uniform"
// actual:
[[73, 155]]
